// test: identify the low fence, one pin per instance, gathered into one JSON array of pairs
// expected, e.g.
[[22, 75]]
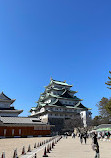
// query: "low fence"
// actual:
[[47, 145]]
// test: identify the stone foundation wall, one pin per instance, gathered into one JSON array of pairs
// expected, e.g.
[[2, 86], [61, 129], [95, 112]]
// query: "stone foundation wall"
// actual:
[[58, 122]]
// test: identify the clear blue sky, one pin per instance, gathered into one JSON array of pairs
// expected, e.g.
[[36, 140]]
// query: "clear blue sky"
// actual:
[[66, 39]]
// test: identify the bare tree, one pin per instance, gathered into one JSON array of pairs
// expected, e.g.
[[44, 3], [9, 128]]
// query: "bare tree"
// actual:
[[75, 122]]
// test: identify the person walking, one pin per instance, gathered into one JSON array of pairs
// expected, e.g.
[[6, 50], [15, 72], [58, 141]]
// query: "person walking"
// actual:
[[85, 137], [95, 145], [81, 137], [74, 135]]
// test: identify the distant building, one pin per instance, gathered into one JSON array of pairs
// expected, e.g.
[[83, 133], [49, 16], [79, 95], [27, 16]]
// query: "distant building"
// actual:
[[57, 103], [13, 126], [86, 117]]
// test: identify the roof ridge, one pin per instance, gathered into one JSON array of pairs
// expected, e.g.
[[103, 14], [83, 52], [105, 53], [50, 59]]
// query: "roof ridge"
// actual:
[[59, 81], [5, 95]]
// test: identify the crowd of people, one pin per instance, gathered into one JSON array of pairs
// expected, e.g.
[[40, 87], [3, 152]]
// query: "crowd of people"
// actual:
[[102, 135], [95, 145], [83, 136]]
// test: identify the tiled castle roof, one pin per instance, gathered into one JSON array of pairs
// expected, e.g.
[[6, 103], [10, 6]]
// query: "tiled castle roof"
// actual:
[[20, 120]]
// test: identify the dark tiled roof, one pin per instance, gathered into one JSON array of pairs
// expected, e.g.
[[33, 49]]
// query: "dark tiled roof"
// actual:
[[81, 106], [11, 108], [66, 95], [3, 95], [20, 120], [57, 102]]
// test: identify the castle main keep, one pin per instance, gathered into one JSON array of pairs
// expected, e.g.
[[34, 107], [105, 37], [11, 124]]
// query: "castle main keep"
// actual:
[[57, 103]]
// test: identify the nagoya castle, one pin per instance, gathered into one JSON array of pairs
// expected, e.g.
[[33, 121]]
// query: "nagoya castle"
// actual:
[[57, 103]]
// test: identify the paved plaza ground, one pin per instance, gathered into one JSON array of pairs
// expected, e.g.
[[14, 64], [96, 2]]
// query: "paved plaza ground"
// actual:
[[72, 148], [65, 148], [8, 145]]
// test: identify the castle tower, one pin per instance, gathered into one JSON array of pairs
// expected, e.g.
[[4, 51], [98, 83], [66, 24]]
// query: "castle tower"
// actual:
[[58, 102]]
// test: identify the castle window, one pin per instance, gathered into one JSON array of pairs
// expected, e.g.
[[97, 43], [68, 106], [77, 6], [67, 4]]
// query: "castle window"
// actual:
[[12, 131], [5, 132], [40, 127], [48, 127], [19, 131]]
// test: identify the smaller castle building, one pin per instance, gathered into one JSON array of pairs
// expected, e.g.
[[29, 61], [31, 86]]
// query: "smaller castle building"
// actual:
[[6, 108], [11, 125]]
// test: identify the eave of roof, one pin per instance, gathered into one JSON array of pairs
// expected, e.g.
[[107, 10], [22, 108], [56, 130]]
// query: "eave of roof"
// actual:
[[56, 96], [11, 111], [32, 109], [61, 83], [9, 101], [80, 106]]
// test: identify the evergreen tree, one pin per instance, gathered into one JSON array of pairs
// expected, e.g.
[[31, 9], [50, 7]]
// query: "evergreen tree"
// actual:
[[109, 82], [108, 107], [102, 107], [96, 120]]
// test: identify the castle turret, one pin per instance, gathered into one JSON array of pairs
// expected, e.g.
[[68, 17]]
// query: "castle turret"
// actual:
[[5, 106]]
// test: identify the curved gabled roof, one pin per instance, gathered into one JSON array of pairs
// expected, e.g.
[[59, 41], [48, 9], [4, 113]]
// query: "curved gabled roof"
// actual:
[[4, 98], [66, 94], [80, 106], [62, 97], [62, 83], [56, 102]]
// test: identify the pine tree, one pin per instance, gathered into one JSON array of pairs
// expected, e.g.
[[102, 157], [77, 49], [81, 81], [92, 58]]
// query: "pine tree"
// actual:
[[108, 107], [109, 82]]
